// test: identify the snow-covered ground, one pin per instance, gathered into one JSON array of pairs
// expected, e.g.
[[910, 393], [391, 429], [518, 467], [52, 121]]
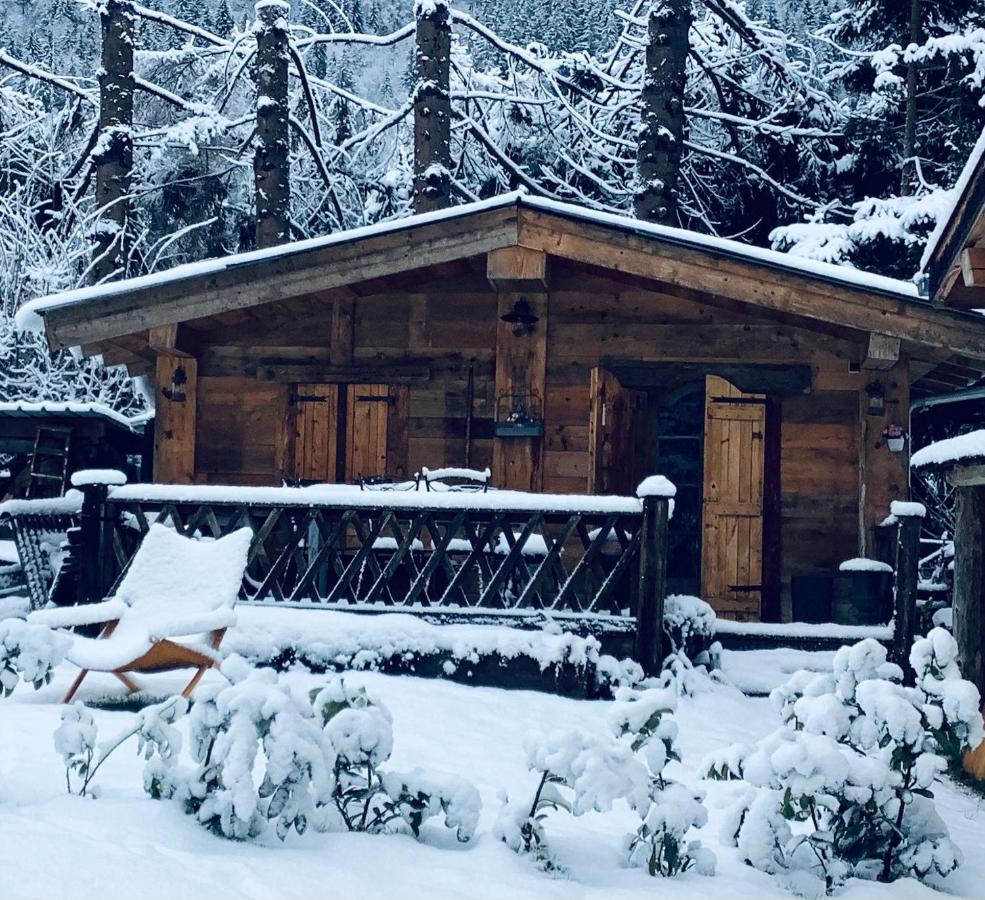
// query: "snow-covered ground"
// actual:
[[125, 844]]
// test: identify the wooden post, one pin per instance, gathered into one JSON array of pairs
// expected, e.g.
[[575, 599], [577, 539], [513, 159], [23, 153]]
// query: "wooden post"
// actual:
[[910, 516], [95, 539], [883, 475], [648, 647], [969, 581], [432, 108], [661, 140], [113, 156], [176, 403], [272, 150]]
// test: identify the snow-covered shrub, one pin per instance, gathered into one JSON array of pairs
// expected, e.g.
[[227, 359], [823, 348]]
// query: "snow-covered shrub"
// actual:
[[265, 756], [28, 652], [360, 730], [254, 722], [853, 764], [689, 624], [597, 770], [75, 740]]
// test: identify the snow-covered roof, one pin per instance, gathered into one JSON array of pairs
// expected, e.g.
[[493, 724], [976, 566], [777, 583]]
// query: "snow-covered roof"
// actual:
[[67, 408], [28, 316], [975, 161], [963, 448]]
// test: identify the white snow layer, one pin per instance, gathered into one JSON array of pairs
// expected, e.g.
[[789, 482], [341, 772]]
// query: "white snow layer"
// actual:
[[58, 407], [363, 641], [860, 564], [951, 450], [29, 315], [901, 509], [112, 477], [656, 486]]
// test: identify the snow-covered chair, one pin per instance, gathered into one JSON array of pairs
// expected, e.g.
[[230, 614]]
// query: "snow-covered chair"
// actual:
[[171, 610]]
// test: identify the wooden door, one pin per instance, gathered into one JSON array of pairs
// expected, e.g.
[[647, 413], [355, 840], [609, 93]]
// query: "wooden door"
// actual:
[[614, 424], [367, 415], [732, 545], [316, 431]]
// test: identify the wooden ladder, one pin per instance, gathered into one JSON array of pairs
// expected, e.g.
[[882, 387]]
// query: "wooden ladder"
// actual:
[[49, 462]]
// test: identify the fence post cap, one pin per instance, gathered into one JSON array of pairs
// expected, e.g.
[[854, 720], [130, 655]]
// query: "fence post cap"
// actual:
[[109, 477], [903, 510], [656, 486]]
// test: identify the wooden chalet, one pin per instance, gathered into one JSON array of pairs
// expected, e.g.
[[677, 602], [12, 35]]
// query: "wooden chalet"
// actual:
[[568, 350]]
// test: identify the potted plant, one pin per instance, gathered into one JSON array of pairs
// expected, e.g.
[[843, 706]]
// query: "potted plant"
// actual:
[[895, 437]]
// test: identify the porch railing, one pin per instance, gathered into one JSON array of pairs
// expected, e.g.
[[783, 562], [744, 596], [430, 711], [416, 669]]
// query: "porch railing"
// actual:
[[501, 555]]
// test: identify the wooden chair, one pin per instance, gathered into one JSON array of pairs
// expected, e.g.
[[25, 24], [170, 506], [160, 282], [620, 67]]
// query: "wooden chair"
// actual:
[[171, 610]]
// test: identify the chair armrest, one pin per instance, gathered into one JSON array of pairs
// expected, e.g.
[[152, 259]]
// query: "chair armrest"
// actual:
[[207, 620], [85, 614]]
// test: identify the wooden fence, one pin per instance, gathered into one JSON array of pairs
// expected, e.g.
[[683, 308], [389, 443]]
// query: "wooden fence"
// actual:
[[592, 563]]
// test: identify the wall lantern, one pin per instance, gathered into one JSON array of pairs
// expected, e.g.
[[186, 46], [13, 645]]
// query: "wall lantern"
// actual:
[[175, 392], [877, 398], [521, 317]]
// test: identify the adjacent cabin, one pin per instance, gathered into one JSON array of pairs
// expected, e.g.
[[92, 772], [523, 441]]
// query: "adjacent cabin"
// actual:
[[568, 350]]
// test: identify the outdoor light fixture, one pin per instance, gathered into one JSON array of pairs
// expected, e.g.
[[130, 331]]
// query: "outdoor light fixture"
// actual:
[[877, 398], [521, 317]]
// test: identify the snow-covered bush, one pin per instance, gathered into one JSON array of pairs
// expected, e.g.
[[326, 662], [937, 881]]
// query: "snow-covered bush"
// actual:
[[253, 722], [28, 652], [266, 757], [597, 770], [360, 730], [75, 740], [853, 764], [689, 624]]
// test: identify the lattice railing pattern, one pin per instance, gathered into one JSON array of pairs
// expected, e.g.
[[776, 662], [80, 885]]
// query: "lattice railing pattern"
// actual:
[[565, 560]]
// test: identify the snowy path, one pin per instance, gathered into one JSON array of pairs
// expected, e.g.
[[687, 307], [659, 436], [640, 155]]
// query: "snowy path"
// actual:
[[125, 844]]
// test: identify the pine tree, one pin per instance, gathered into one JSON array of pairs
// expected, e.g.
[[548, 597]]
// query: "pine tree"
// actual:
[[222, 22]]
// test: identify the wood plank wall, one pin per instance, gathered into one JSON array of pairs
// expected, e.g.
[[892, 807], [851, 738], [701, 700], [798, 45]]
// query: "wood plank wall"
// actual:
[[449, 327]]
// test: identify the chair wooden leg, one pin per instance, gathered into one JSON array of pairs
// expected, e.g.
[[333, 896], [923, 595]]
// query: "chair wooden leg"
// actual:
[[128, 683], [75, 685], [196, 678]]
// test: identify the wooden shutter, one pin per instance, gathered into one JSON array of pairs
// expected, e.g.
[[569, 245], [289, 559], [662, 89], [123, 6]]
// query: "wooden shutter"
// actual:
[[732, 544], [616, 416], [367, 413], [316, 440]]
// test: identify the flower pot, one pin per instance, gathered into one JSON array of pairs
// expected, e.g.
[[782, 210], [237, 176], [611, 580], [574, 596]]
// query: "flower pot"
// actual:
[[895, 444]]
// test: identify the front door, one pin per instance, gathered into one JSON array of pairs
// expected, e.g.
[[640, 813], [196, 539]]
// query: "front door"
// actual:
[[613, 430], [732, 545]]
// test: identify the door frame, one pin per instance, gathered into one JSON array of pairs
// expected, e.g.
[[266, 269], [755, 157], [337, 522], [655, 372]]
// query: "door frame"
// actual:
[[773, 380]]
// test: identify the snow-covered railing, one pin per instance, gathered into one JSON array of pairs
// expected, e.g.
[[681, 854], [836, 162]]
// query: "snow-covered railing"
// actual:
[[590, 562]]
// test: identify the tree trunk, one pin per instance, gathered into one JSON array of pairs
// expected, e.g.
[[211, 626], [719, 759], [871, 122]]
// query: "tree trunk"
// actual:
[[113, 155], [661, 140], [432, 108], [272, 151], [908, 185]]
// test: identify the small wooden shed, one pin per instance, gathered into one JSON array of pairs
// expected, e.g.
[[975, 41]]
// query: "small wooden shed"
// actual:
[[571, 351]]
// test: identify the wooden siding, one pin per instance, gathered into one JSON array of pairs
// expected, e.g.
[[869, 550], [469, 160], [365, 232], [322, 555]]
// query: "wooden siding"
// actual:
[[428, 333]]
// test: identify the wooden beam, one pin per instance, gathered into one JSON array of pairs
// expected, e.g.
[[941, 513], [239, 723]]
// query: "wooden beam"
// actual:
[[175, 420], [973, 267], [967, 476], [271, 279], [164, 339], [343, 319], [521, 373], [969, 582], [883, 475], [356, 374], [517, 269], [789, 292], [882, 352]]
